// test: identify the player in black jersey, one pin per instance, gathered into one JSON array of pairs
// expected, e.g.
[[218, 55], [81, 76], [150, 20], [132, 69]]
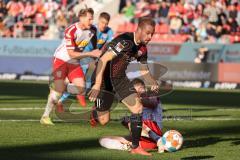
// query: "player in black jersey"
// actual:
[[110, 76]]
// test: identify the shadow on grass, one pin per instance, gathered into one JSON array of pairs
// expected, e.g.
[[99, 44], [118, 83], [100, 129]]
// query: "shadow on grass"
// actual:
[[197, 157], [190, 108], [49, 150], [208, 98], [185, 97], [203, 142], [236, 142]]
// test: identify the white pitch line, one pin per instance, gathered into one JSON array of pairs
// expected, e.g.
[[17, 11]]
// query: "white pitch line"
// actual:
[[16, 109], [216, 119], [19, 120]]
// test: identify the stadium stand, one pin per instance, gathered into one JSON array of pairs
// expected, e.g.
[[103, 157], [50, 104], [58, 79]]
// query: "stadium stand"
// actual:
[[207, 21]]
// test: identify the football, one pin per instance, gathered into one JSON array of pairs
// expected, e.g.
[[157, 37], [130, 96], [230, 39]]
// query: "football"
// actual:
[[172, 140]]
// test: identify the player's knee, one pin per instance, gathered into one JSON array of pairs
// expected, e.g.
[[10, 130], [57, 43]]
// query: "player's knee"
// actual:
[[55, 96]]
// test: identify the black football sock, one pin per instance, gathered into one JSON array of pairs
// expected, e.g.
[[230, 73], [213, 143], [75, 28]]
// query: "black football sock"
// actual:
[[95, 115], [136, 128]]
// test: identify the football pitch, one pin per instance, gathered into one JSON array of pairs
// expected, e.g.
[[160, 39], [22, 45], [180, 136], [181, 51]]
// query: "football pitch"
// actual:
[[209, 121]]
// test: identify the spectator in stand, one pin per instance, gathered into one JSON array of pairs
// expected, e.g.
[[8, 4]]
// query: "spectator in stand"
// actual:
[[233, 11], [18, 29], [233, 25], [163, 12], [2, 26], [199, 9], [201, 33], [71, 16], [39, 5], [194, 15], [218, 33], [3, 9], [61, 22], [121, 5], [154, 7], [188, 14], [175, 24], [176, 8], [222, 17], [15, 9], [50, 7], [142, 9], [128, 11], [197, 20], [64, 3], [211, 11], [29, 10]]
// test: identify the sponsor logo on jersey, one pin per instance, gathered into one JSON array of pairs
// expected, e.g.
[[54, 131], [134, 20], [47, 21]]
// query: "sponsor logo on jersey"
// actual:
[[142, 51], [119, 47], [82, 43], [101, 41]]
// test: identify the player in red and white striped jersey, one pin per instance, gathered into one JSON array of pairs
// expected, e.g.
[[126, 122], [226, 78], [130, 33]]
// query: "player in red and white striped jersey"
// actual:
[[66, 61]]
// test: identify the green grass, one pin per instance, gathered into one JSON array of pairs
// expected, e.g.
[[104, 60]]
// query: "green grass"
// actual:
[[209, 121]]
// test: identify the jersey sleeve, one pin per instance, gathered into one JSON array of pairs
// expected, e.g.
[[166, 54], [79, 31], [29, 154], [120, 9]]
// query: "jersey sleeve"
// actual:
[[69, 36], [119, 45], [144, 55]]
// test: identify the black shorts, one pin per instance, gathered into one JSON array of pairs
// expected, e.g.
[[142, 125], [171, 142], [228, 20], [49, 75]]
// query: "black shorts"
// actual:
[[112, 88]]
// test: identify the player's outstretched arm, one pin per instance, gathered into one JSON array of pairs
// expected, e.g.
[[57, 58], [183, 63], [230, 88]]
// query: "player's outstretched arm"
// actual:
[[109, 55], [78, 55], [145, 73]]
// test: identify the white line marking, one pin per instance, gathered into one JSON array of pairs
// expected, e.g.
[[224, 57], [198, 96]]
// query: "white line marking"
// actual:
[[16, 109]]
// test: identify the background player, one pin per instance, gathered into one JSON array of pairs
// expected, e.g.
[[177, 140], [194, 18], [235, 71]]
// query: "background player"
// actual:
[[66, 64], [104, 35], [152, 117], [111, 76], [152, 124]]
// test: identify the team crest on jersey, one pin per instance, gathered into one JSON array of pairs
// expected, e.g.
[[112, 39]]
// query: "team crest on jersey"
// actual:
[[119, 47]]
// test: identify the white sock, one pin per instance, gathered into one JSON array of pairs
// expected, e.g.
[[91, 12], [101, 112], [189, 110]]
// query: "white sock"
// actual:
[[53, 98]]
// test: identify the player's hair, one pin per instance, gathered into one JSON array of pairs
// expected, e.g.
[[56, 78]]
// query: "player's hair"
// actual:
[[105, 15], [83, 12], [137, 81], [146, 21]]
